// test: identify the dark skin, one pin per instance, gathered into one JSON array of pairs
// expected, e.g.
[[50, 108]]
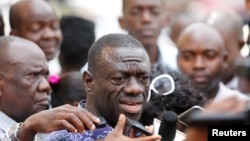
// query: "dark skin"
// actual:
[[117, 133], [201, 57], [24, 85], [178, 23], [121, 84], [65, 117], [247, 4], [233, 48], [38, 23], [231, 32], [144, 19]]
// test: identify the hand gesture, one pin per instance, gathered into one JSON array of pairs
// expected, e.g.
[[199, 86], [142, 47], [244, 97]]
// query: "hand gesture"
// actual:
[[67, 117], [117, 133]]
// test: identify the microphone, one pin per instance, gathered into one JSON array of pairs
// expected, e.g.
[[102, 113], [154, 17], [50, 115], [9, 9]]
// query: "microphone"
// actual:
[[167, 128]]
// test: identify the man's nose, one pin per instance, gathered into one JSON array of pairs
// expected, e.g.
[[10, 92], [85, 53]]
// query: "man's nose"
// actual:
[[199, 62], [146, 16], [48, 32], [133, 86], [44, 86]]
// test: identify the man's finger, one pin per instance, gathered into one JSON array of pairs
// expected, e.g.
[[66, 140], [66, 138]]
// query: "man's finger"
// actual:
[[120, 124]]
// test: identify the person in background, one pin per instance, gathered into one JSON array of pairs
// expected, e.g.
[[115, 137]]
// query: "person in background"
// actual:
[[247, 5], [79, 35], [144, 20], [232, 34], [116, 81], [178, 22], [67, 90], [201, 57], [37, 21], [24, 91], [242, 64], [1, 24]]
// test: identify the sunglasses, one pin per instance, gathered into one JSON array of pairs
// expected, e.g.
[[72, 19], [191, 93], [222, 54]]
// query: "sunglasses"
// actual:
[[161, 85]]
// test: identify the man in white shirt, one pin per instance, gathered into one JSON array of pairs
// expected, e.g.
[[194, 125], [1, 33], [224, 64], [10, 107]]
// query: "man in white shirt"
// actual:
[[24, 91]]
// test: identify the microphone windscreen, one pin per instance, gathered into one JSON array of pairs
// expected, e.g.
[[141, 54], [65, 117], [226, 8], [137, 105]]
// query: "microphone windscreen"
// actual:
[[167, 128]]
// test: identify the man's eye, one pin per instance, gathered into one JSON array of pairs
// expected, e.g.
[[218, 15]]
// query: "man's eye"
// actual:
[[135, 12], [118, 80], [35, 28], [144, 79], [155, 12], [210, 55], [187, 56], [55, 26], [34, 74]]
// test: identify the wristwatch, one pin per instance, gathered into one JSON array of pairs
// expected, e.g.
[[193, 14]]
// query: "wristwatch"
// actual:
[[14, 131]]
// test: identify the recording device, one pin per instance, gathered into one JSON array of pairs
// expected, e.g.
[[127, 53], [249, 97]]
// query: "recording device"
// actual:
[[137, 126], [179, 136], [185, 117], [101, 124], [167, 128]]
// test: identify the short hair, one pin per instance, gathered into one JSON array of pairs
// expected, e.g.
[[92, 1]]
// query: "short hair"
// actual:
[[194, 30], [6, 45], [113, 40], [78, 36]]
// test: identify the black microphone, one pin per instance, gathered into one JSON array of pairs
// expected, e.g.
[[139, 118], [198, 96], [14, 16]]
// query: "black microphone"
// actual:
[[167, 128]]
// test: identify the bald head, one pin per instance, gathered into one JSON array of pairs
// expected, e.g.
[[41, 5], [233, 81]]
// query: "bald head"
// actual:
[[32, 8], [227, 22], [201, 33], [14, 48], [36, 20]]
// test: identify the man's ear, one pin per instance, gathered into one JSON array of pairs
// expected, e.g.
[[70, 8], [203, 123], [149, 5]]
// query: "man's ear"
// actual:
[[225, 58], [13, 32], [88, 82], [167, 18], [121, 22]]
